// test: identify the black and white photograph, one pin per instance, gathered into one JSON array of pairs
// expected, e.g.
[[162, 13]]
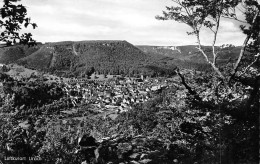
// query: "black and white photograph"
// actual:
[[129, 81]]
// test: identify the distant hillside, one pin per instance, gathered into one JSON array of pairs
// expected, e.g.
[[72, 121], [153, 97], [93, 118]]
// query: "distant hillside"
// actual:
[[82, 58], [13, 53], [189, 57], [39, 59], [85, 57]]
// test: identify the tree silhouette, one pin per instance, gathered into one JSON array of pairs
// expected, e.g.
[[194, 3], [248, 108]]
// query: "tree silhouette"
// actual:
[[13, 17], [200, 14], [227, 84]]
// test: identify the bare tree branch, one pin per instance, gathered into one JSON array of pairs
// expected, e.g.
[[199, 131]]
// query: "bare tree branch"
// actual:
[[219, 12], [250, 65], [207, 59], [242, 50], [214, 41], [190, 90], [235, 19]]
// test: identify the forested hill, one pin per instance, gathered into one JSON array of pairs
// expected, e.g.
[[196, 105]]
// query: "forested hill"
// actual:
[[72, 59], [188, 56], [80, 58], [13, 53]]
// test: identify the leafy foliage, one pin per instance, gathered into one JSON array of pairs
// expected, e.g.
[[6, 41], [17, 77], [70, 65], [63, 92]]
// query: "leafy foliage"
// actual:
[[29, 95], [13, 18]]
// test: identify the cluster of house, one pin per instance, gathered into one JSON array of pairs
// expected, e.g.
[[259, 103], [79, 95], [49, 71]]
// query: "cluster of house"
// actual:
[[114, 94]]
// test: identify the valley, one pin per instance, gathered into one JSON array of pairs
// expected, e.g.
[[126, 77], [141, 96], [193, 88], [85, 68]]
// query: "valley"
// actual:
[[85, 98], [125, 82]]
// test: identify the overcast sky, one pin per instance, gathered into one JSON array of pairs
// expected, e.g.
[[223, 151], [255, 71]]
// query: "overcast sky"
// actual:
[[131, 20]]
